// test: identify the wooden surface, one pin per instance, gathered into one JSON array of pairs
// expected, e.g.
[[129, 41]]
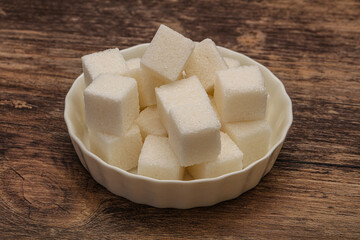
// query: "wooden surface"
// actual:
[[313, 191]]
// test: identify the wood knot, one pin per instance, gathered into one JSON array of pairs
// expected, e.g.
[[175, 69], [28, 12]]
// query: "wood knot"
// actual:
[[48, 196], [42, 192]]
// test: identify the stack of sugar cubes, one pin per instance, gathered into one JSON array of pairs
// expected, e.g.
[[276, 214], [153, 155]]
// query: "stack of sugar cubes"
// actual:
[[200, 112]]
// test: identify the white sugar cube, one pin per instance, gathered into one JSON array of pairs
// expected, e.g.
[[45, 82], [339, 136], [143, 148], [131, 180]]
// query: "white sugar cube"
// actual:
[[192, 124], [133, 63], [108, 61], [111, 104], [149, 123], [231, 62], [122, 152], [240, 94], [229, 160], [182, 92], [204, 61], [194, 133], [252, 137], [157, 160], [146, 83], [167, 54], [213, 105]]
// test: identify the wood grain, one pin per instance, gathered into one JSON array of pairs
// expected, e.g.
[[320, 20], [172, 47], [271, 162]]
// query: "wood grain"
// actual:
[[313, 191]]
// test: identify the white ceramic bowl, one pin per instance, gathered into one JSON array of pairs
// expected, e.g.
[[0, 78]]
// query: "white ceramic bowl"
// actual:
[[174, 193]]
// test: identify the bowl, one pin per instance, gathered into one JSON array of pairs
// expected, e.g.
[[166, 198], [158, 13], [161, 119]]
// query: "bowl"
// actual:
[[180, 193]]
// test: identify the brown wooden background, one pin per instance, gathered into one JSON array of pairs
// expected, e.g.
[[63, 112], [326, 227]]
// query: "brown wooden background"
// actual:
[[313, 191]]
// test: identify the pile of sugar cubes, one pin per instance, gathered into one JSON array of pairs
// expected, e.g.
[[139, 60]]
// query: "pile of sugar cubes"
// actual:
[[181, 108]]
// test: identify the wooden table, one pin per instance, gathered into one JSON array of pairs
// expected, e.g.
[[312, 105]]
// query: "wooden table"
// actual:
[[313, 191]]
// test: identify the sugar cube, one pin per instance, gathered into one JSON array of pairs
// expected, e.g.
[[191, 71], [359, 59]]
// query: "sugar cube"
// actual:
[[213, 105], [157, 160], [229, 160], [108, 61], [111, 104], [133, 63], [240, 94], [194, 133], [231, 62], [122, 152], [167, 54], [146, 83], [149, 123], [182, 92], [204, 61], [252, 137]]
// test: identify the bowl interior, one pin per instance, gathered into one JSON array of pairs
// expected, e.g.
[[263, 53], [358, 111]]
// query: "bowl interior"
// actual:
[[278, 113]]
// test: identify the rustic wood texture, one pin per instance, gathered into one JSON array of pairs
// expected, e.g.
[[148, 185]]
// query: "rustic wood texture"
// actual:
[[313, 191]]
